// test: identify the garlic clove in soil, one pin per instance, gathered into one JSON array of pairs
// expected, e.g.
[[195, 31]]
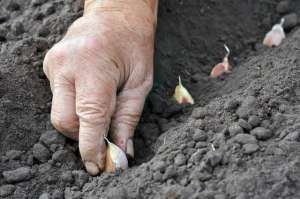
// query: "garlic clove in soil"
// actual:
[[223, 67], [275, 37], [181, 95], [116, 159]]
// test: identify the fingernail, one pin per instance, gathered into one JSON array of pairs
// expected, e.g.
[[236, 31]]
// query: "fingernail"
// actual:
[[91, 168], [130, 148]]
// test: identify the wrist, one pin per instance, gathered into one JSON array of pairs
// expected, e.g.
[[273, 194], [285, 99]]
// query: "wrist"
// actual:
[[146, 8]]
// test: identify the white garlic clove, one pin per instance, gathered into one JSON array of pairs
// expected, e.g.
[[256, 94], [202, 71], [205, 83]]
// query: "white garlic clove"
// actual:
[[181, 95], [275, 37], [116, 159]]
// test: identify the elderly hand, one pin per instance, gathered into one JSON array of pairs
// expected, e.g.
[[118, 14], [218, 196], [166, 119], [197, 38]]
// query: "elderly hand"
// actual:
[[100, 74]]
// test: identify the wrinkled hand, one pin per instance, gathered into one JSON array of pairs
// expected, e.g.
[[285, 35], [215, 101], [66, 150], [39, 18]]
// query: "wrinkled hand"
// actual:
[[100, 74]]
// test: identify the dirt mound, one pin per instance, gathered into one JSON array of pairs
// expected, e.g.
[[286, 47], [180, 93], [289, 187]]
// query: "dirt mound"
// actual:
[[240, 140]]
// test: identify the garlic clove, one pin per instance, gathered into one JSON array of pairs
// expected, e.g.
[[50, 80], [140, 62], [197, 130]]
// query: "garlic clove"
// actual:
[[218, 70], [181, 95], [275, 36], [116, 159], [223, 67]]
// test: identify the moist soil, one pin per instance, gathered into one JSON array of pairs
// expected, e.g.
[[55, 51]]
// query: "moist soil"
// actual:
[[239, 140]]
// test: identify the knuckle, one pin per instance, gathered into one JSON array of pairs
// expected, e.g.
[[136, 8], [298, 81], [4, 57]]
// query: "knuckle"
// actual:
[[56, 56], [90, 45]]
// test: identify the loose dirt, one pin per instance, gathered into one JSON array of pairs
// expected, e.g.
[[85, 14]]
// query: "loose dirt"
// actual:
[[240, 140]]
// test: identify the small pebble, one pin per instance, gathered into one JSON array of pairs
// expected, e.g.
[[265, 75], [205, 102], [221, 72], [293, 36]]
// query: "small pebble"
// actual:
[[250, 148], [196, 157], [66, 158], [41, 153], [200, 145], [247, 106], [17, 175], [45, 196], [7, 190], [254, 120], [231, 105], [14, 154], [43, 31], [191, 144], [235, 129], [180, 159], [48, 9], [43, 168], [261, 133], [199, 135], [291, 20], [182, 147], [204, 176], [266, 124], [199, 124], [29, 160], [170, 172], [184, 181], [214, 158], [157, 176], [158, 166], [245, 139], [244, 124], [283, 7]]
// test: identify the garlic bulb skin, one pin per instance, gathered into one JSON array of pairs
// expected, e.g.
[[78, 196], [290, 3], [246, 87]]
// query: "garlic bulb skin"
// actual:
[[275, 36], [181, 95], [116, 159]]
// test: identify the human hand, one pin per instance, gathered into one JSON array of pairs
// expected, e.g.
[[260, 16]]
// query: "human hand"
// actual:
[[100, 74]]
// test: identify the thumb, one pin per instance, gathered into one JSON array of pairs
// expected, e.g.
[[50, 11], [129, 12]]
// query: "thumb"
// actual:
[[95, 101], [129, 108]]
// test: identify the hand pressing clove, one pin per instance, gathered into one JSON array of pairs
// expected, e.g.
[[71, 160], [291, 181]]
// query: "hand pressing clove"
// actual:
[[100, 74]]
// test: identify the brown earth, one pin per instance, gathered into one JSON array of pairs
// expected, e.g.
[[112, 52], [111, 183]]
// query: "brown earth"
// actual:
[[250, 117]]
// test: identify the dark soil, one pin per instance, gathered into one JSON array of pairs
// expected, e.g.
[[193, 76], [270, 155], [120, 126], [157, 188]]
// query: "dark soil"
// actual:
[[240, 140]]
